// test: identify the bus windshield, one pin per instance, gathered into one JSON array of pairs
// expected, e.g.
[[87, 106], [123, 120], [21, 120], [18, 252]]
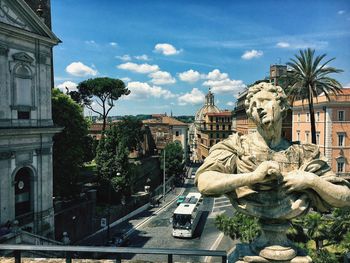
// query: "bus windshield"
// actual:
[[182, 221]]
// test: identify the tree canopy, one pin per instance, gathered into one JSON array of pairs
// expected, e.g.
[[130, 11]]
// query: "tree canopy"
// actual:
[[112, 164], [130, 128], [104, 91], [308, 78], [174, 163], [69, 149]]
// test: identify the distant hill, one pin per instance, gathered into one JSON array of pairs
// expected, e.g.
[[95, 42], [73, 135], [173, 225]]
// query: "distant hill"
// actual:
[[185, 118]]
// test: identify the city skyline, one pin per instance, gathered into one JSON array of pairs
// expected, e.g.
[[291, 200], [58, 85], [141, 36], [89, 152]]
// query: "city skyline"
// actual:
[[170, 53]]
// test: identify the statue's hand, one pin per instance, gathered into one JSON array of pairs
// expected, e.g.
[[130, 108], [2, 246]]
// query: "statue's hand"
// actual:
[[298, 180], [266, 171]]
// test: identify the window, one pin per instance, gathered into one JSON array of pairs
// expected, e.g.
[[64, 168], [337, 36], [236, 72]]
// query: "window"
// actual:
[[217, 127], [317, 138], [341, 139], [211, 127], [307, 116], [340, 166], [307, 135], [23, 86], [211, 136], [318, 116], [177, 133], [229, 127], [299, 117], [341, 115], [223, 127], [298, 136], [211, 119], [217, 135], [23, 115]]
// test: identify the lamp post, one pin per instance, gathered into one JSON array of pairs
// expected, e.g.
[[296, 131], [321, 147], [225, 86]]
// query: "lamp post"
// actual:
[[109, 209], [164, 177]]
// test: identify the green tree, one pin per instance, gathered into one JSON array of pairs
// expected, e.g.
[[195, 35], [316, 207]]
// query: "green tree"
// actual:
[[317, 227], [112, 165], [174, 163], [130, 129], [308, 78], [104, 91], [240, 226], [69, 145]]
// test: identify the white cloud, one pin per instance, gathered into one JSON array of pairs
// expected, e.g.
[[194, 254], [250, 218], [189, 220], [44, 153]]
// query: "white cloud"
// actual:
[[341, 12], [221, 83], [166, 49], [283, 45], [302, 44], [230, 103], [125, 57], [139, 68], [216, 75], [91, 42], [113, 44], [78, 69], [252, 54], [194, 97], [142, 90], [126, 79], [190, 76], [142, 57], [70, 85], [161, 78]]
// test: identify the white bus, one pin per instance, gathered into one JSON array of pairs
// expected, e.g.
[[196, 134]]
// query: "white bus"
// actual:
[[187, 215]]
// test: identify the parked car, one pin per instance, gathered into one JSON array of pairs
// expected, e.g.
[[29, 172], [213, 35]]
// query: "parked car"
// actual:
[[119, 240], [180, 199]]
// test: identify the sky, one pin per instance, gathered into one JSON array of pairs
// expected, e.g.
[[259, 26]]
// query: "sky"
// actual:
[[169, 53]]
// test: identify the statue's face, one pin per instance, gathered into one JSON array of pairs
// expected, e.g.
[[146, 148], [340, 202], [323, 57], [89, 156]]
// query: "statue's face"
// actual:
[[266, 110]]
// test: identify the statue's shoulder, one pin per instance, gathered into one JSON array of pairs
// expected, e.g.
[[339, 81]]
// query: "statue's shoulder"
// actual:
[[231, 144], [309, 150]]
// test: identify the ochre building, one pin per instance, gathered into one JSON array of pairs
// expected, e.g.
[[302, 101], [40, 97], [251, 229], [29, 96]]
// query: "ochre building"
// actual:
[[332, 128], [211, 126]]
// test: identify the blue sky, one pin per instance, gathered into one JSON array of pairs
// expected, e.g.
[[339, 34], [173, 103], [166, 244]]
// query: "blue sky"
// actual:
[[169, 53]]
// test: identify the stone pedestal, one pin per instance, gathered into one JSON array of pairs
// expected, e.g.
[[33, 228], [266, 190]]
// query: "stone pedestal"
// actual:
[[271, 246], [243, 253]]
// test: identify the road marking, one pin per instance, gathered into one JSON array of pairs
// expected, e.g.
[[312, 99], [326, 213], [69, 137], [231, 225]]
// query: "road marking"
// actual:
[[221, 206], [214, 246], [156, 213], [222, 202]]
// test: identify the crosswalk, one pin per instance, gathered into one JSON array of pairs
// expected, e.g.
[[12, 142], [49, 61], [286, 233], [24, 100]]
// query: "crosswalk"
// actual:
[[221, 204]]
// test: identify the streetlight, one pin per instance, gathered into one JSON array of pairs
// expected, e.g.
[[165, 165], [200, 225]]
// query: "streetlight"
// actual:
[[164, 177], [109, 209]]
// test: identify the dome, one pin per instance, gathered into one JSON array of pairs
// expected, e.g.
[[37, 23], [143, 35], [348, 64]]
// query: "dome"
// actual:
[[208, 107]]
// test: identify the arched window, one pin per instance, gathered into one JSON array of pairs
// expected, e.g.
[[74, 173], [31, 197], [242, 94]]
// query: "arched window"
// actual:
[[22, 69], [23, 192]]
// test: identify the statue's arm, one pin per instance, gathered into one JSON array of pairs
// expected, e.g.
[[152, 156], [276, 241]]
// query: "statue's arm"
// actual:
[[218, 183], [334, 194]]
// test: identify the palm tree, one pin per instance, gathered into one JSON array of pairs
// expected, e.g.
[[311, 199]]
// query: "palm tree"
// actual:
[[309, 78]]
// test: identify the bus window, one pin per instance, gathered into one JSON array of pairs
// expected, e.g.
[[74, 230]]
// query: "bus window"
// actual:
[[181, 221]]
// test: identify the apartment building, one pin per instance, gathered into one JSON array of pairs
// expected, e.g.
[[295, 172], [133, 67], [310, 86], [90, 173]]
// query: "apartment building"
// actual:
[[332, 128]]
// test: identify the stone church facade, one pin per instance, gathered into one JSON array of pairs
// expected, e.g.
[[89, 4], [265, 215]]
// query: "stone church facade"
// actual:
[[26, 127]]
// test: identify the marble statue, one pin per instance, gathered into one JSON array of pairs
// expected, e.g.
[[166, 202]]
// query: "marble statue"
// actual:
[[265, 176]]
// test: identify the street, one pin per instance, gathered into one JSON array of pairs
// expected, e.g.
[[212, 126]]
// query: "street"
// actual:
[[154, 230]]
